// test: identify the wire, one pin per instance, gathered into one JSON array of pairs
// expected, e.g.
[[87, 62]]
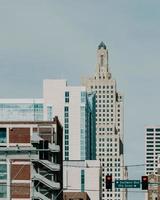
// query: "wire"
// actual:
[[91, 166]]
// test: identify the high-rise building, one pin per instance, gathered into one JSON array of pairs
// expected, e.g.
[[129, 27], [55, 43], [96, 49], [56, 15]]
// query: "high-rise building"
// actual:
[[109, 123], [31, 160], [152, 149], [152, 160]]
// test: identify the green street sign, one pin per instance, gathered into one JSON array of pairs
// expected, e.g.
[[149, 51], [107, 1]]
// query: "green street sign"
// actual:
[[127, 183]]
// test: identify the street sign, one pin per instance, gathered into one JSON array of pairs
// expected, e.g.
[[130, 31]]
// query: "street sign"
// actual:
[[127, 183]]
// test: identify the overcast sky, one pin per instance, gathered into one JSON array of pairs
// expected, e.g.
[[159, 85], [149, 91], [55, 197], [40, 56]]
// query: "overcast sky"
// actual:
[[58, 39]]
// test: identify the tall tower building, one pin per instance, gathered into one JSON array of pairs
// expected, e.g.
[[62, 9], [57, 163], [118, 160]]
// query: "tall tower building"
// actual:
[[109, 123]]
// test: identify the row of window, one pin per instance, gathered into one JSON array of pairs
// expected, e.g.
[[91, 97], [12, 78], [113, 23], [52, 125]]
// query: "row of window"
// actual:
[[110, 159], [107, 154], [66, 132], [107, 144], [152, 129], [108, 150], [151, 141], [107, 139], [151, 138], [82, 134], [153, 134], [101, 86]]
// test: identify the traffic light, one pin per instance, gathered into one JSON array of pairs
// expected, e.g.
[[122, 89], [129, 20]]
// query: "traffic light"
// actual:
[[108, 182], [144, 182]]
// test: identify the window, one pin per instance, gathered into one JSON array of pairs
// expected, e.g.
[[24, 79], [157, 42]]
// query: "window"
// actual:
[[83, 97], [3, 190], [82, 180], [3, 171], [67, 97], [49, 113], [3, 135], [150, 129]]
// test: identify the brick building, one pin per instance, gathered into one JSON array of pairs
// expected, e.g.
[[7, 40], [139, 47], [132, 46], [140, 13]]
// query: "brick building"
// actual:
[[31, 159]]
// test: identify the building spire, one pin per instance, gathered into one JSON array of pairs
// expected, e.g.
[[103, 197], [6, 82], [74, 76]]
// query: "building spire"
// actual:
[[102, 45], [102, 71]]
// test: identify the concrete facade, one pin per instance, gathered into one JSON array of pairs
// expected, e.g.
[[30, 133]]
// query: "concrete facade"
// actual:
[[73, 106], [152, 149], [82, 176]]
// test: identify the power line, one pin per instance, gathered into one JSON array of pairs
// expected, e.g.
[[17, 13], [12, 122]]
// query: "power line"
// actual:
[[92, 166]]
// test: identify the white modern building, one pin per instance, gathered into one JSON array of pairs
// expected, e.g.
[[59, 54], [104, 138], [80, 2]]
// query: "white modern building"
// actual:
[[75, 109], [82, 176], [152, 149], [109, 124]]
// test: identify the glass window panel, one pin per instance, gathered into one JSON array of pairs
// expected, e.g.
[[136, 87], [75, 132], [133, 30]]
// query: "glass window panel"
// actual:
[[3, 135], [3, 191]]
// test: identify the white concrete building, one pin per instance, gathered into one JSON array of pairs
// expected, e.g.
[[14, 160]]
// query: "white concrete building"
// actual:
[[152, 149], [109, 124], [152, 160], [82, 176], [71, 104]]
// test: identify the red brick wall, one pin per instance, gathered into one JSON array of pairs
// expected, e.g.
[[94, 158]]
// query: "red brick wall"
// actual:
[[20, 172], [19, 135], [20, 190]]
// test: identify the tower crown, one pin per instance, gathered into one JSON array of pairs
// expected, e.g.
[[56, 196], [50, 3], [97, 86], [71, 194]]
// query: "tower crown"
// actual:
[[102, 71], [102, 45]]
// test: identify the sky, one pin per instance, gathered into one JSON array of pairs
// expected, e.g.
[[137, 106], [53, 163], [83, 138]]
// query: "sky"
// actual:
[[59, 39]]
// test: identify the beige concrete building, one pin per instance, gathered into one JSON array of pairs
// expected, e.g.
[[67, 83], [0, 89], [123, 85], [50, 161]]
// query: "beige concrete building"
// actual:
[[109, 123]]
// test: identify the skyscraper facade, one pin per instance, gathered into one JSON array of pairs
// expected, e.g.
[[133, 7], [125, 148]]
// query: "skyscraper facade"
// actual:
[[152, 149], [109, 123]]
